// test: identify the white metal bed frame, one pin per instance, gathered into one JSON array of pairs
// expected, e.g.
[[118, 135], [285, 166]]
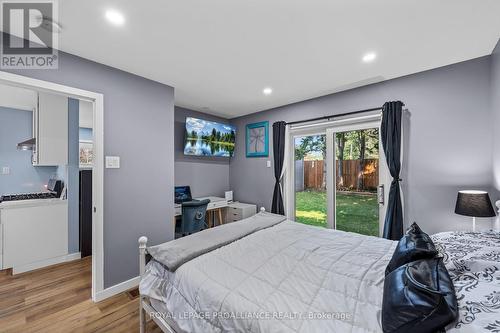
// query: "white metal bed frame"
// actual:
[[144, 304]]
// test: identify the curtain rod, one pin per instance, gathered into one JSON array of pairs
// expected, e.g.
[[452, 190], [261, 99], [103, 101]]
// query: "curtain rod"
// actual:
[[333, 116]]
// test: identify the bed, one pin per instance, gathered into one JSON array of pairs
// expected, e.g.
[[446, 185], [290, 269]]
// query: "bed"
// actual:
[[473, 262], [287, 277]]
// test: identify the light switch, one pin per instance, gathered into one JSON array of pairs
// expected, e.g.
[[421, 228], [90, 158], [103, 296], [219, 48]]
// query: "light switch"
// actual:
[[6, 170], [268, 164], [112, 162]]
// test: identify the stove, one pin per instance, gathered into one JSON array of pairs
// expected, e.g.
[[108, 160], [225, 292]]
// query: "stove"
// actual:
[[28, 196], [54, 188]]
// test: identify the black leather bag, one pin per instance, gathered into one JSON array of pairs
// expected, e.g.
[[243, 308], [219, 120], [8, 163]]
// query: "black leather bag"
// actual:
[[419, 297], [414, 245]]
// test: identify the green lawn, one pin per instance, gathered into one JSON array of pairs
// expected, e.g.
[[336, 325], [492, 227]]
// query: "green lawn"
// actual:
[[355, 212]]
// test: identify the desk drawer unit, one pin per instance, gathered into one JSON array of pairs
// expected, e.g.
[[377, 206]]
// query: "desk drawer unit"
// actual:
[[238, 211]]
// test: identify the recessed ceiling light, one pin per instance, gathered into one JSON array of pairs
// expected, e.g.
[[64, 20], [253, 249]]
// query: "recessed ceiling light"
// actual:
[[115, 17], [369, 57], [267, 91]]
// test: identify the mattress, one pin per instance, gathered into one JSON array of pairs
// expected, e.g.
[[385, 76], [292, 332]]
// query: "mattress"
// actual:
[[287, 278], [297, 278]]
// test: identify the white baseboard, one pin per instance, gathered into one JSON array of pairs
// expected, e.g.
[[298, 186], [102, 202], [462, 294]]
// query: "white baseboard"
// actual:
[[117, 288], [45, 263]]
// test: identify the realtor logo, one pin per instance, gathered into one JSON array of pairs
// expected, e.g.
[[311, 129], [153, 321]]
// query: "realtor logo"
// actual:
[[29, 38]]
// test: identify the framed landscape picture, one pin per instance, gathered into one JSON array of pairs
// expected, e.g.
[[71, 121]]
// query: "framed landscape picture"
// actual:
[[257, 139], [86, 154]]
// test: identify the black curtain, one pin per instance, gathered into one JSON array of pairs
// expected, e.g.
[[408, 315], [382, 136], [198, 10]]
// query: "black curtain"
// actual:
[[279, 155], [391, 141]]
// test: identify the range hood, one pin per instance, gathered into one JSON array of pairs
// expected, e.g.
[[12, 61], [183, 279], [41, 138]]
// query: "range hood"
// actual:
[[27, 145]]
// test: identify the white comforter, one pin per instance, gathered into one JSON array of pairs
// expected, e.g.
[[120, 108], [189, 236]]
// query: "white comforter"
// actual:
[[287, 278]]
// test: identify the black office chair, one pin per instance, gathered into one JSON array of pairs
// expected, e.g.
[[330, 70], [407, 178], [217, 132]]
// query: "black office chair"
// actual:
[[193, 217]]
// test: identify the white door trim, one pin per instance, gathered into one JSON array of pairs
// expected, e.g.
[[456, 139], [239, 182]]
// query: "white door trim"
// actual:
[[331, 176], [118, 288], [98, 169], [289, 178]]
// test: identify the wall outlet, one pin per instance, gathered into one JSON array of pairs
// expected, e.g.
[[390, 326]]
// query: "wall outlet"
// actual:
[[6, 170], [112, 162], [268, 164]]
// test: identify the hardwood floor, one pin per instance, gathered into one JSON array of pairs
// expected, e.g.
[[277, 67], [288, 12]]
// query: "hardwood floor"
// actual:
[[57, 299]]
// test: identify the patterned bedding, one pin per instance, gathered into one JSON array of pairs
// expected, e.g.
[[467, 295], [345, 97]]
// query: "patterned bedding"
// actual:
[[287, 278], [473, 261]]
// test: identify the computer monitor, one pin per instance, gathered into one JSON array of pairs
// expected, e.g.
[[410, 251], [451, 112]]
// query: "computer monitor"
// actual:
[[182, 194]]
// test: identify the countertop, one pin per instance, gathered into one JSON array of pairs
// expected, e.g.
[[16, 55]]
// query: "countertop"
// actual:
[[32, 203]]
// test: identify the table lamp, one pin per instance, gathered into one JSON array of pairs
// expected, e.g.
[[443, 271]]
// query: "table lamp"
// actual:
[[474, 203]]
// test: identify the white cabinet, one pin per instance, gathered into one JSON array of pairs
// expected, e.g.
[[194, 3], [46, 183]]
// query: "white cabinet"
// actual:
[[34, 234], [50, 128], [238, 211], [1, 245]]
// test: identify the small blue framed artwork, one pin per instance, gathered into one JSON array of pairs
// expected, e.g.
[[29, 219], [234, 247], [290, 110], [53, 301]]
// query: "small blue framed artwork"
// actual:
[[257, 139]]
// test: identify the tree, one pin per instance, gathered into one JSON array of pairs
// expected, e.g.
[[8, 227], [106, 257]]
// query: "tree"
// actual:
[[372, 144], [340, 157], [302, 147], [321, 146], [310, 144], [213, 137], [257, 137], [362, 148]]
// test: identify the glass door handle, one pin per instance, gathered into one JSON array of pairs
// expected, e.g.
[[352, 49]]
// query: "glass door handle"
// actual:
[[380, 194]]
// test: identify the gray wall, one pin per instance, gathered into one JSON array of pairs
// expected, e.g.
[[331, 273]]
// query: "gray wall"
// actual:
[[138, 197], [17, 126], [206, 175], [495, 106], [449, 139]]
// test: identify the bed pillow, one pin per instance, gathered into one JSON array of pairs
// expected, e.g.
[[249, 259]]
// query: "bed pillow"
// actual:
[[414, 245], [419, 297]]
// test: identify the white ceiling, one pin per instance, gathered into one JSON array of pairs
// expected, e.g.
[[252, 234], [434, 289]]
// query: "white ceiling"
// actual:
[[220, 54]]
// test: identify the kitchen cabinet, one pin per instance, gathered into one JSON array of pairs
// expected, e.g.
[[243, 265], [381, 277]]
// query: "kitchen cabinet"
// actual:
[[50, 128], [34, 233], [1, 245]]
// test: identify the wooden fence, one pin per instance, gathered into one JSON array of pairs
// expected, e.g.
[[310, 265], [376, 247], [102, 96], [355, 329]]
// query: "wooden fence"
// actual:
[[368, 177]]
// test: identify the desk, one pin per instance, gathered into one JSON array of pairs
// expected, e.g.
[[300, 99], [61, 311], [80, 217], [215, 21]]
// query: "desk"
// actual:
[[215, 205]]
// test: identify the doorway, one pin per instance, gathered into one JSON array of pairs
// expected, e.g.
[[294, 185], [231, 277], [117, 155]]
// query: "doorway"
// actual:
[[95, 101], [339, 176]]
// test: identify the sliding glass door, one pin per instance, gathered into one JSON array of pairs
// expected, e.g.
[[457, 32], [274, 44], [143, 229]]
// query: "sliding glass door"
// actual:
[[339, 177], [310, 179], [357, 181]]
